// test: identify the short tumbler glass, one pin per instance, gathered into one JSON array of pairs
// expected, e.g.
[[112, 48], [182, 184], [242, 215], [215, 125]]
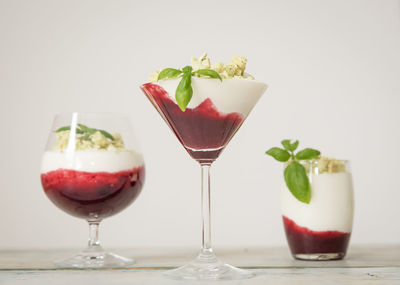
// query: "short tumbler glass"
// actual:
[[321, 229]]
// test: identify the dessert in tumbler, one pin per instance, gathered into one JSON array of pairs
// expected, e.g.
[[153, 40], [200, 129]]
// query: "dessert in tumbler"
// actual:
[[321, 229]]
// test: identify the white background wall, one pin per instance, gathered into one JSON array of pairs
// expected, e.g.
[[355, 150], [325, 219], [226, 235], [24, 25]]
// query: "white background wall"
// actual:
[[333, 68]]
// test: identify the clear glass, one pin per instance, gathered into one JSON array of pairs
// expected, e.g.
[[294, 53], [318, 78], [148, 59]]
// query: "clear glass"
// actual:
[[321, 230], [204, 132], [92, 168]]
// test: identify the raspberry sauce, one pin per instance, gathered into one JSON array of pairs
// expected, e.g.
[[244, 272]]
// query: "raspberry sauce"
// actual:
[[93, 195], [304, 241], [202, 130]]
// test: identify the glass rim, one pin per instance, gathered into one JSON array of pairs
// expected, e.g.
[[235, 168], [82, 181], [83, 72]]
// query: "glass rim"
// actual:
[[204, 78], [105, 114], [344, 161]]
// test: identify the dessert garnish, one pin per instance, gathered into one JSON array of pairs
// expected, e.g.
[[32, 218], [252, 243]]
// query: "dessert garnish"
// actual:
[[86, 130], [89, 138], [184, 91], [329, 165], [295, 173], [201, 68]]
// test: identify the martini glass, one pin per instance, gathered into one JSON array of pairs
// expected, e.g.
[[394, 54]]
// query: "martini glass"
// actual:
[[214, 114]]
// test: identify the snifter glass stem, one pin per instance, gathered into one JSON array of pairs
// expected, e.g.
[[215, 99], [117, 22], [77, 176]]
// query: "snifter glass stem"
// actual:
[[94, 242]]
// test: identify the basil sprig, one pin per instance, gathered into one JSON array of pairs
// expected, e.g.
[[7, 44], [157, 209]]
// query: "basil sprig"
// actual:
[[184, 91], [86, 131], [68, 128], [295, 173], [169, 73]]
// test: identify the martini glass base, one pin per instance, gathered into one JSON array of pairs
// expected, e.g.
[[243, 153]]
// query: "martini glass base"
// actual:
[[207, 267], [87, 259]]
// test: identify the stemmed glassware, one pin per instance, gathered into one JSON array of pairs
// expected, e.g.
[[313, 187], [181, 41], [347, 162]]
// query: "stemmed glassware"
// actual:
[[92, 169], [215, 113]]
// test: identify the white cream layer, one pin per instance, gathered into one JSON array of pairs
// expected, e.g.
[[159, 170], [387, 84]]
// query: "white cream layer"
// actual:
[[231, 95], [331, 205], [91, 160]]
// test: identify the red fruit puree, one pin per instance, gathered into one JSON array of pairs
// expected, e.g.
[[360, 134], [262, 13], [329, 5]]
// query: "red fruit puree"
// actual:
[[203, 130], [93, 195], [304, 241]]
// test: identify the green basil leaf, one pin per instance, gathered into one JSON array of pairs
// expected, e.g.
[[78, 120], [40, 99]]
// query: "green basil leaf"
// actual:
[[286, 144], [297, 181], [91, 131], [68, 128], [107, 134], [187, 69], [184, 91], [293, 146], [168, 73], [307, 153], [62, 129], [290, 146], [279, 154], [86, 129], [208, 72]]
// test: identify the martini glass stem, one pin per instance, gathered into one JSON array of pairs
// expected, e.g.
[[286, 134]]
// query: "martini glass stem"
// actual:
[[206, 250]]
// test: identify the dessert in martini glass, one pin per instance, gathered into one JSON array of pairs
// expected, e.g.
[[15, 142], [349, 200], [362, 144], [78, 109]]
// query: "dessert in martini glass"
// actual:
[[205, 105], [92, 169]]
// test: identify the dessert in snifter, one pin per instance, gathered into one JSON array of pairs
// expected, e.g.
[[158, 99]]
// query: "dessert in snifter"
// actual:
[[205, 105], [92, 190], [91, 174]]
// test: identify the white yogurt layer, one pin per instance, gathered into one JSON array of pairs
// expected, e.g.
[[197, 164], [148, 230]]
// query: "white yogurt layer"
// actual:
[[230, 95], [331, 205], [91, 160]]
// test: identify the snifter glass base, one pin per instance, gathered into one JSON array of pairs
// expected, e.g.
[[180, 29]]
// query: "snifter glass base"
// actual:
[[208, 267], [94, 259]]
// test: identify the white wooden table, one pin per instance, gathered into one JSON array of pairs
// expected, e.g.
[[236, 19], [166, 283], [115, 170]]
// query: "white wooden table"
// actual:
[[363, 265]]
